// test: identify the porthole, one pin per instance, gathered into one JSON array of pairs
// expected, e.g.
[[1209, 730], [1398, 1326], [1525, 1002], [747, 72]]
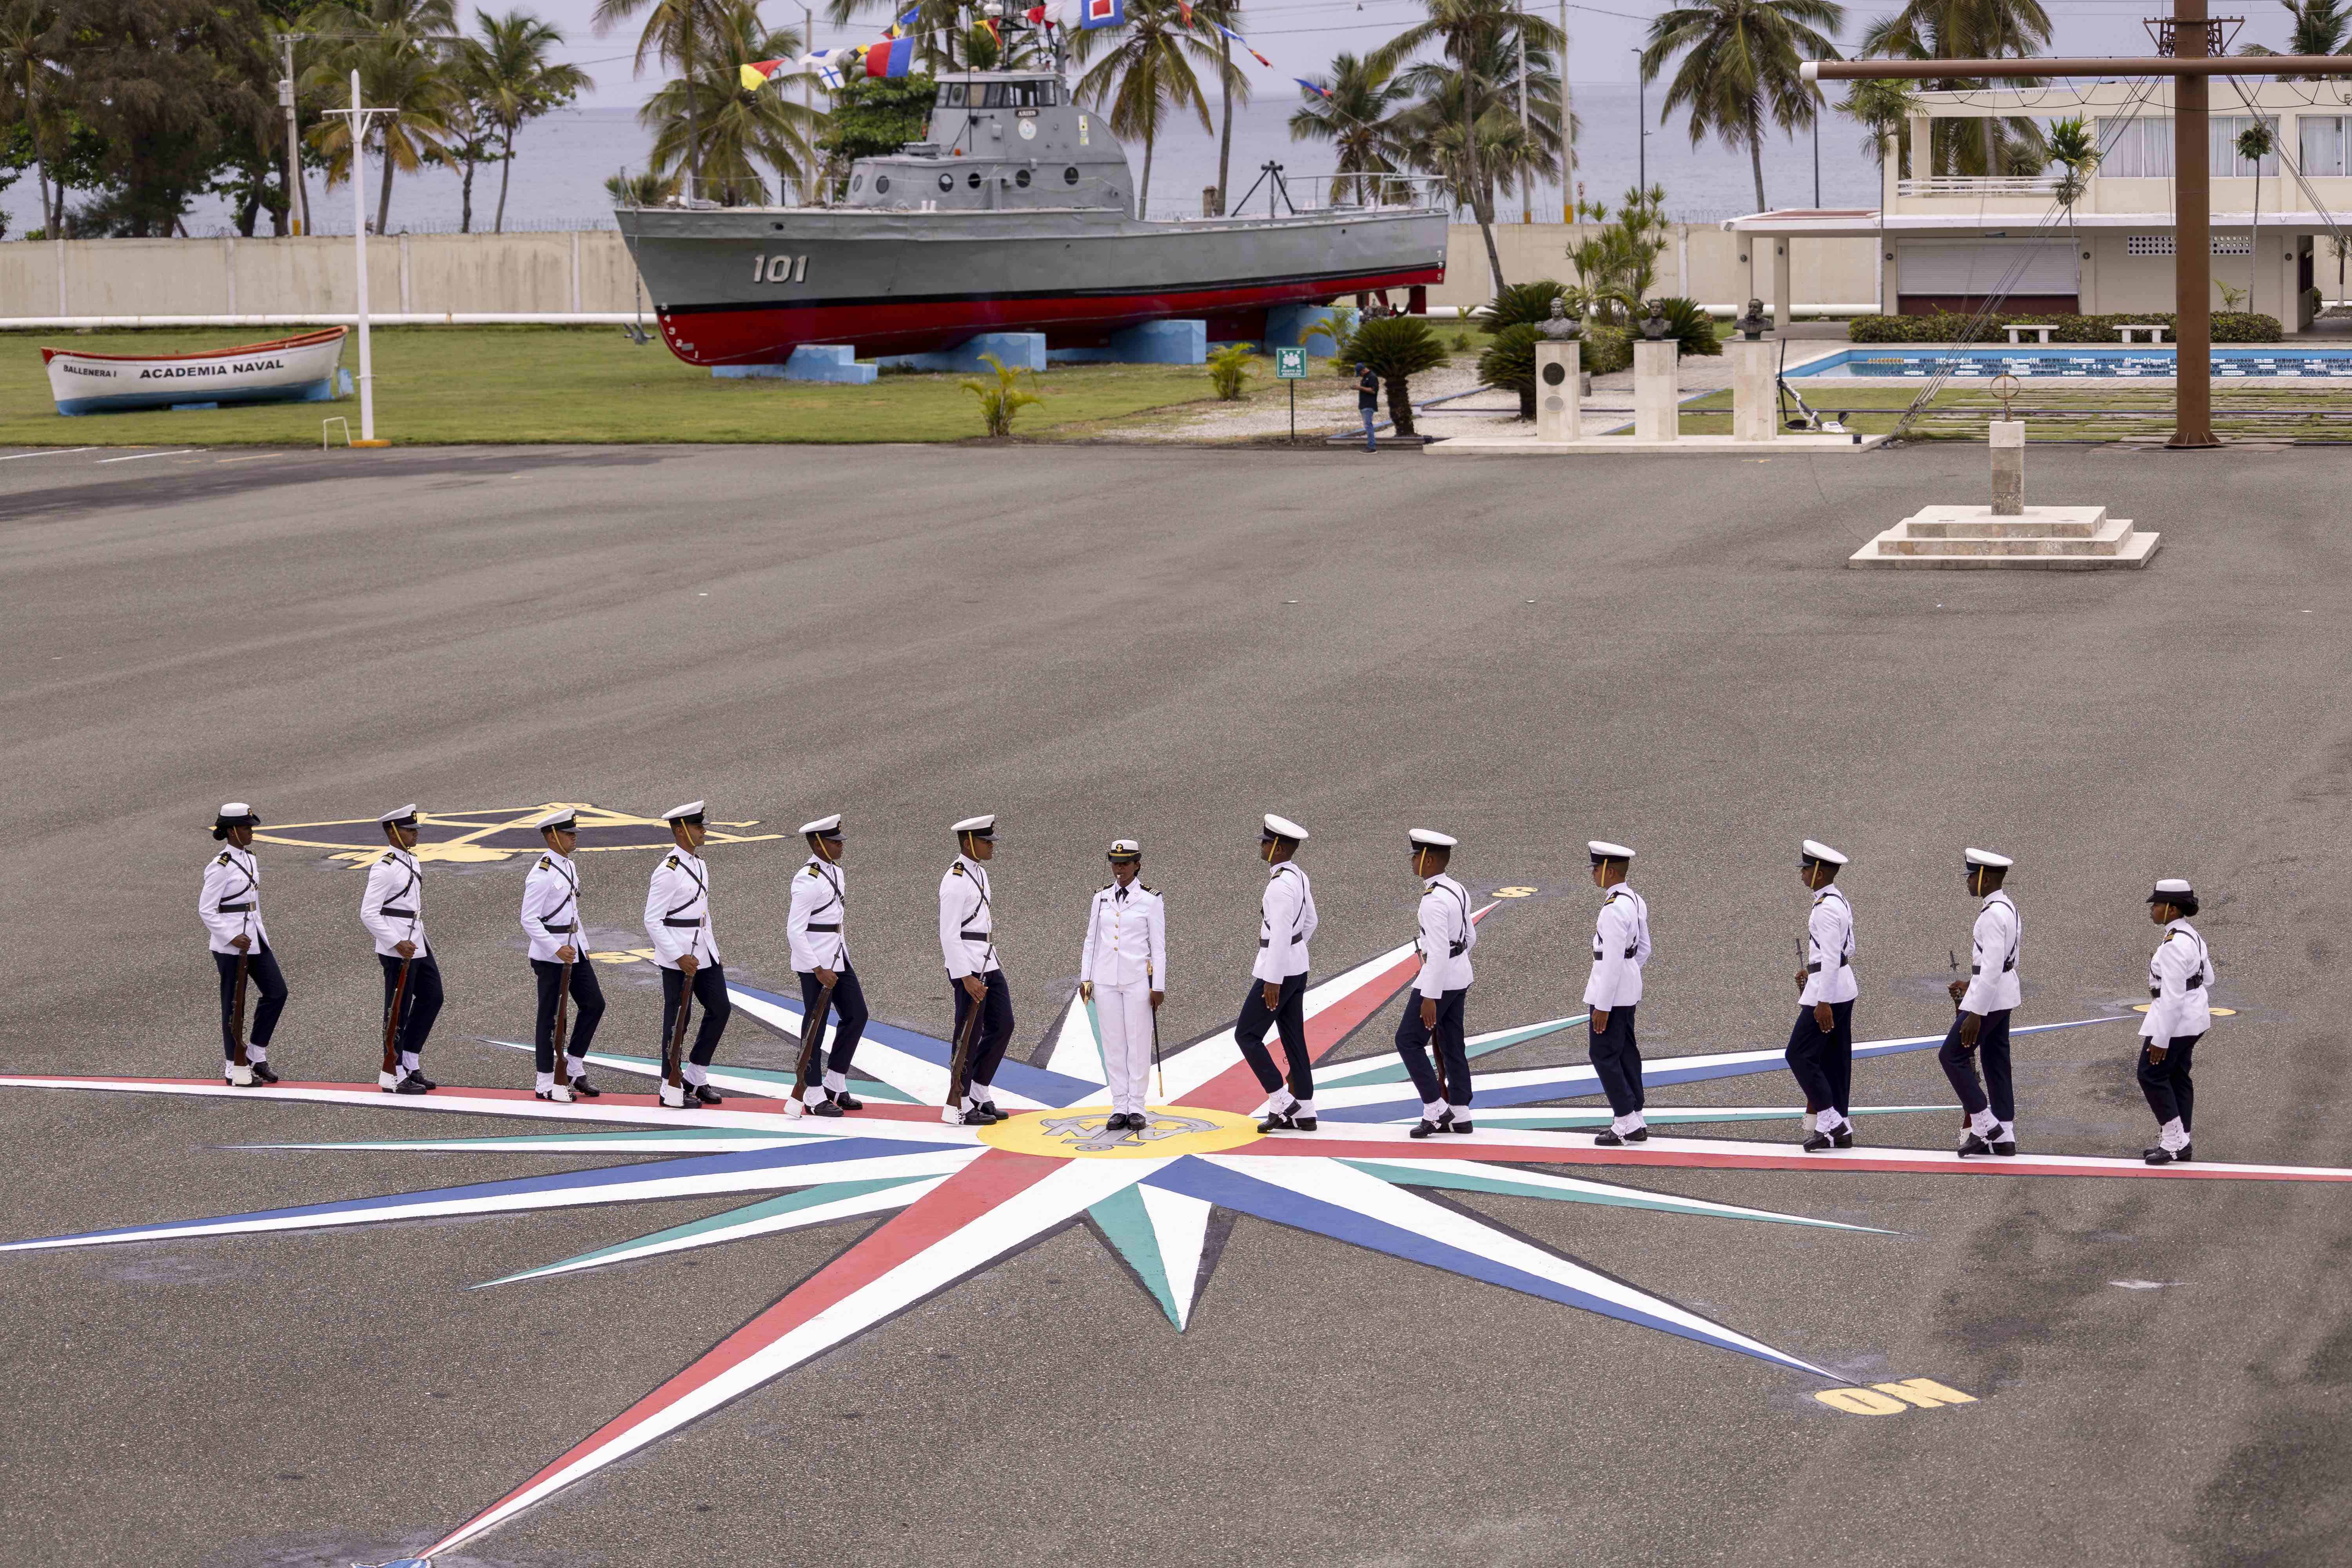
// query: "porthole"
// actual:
[[1069, 176], [881, 183], [1021, 179], [947, 182], [857, 182], [975, 179]]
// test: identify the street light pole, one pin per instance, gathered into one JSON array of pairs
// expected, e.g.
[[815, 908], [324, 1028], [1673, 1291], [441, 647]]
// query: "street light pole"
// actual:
[[1642, 125], [359, 116], [296, 197], [1526, 151]]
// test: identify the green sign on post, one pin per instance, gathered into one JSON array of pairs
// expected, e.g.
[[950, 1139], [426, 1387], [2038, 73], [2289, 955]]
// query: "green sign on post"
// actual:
[[1290, 364]]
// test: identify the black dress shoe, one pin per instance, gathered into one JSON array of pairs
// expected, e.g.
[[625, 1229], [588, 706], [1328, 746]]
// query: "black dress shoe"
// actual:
[[704, 1093], [1458, 1124], [988, 1109], [1972, 1144], [976, 1116], [2180, 1156], [1819, 1142], [824, 1108], [1425, 1128], [1277, 1121], [2159, 1156], [1842, 1138], [1607, 1139], [1301, 1123], [1639, 1135], [847, 1101], [2007, 1148], [261, 1073], [428, 1083], [1118, 1122], [413, 1084], [583, 1089]]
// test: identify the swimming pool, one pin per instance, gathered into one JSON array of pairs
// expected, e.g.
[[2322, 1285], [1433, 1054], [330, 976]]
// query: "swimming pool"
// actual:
[[2066, 360]]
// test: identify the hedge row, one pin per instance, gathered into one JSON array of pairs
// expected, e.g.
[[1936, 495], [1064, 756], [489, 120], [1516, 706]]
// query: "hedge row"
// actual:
[[2229, 327]]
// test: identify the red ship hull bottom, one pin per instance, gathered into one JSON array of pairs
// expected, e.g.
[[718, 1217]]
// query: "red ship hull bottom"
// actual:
[[722, 335]]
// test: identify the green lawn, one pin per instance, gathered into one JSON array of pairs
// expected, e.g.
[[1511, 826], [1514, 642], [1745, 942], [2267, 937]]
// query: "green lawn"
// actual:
[[460, 384]]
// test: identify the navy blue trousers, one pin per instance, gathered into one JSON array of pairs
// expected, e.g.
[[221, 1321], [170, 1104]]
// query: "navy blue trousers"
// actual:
[[1823, 1064], [1288, 1019], [1412, 1042], [587, 1010], [263, 983], [420, 1005], [849, 1014], [2166, 1083], [1617, 1057], [1960, 1067], [710, 994], [996, 1027]]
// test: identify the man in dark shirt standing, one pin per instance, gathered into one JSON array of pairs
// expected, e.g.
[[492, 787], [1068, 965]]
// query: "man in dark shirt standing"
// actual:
[[1368, 402]]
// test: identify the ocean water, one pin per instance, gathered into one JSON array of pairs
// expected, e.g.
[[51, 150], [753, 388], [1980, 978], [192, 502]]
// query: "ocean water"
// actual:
[[561, 163]]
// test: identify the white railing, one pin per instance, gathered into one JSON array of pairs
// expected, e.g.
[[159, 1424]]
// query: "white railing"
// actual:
[[1979, 186]]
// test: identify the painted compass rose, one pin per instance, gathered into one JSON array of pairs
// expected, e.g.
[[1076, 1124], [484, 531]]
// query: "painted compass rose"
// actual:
[[958, 1199]]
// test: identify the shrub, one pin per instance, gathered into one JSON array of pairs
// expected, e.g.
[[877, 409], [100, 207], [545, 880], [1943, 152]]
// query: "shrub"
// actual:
[[1527, 305], [1606, 348], [1228, 367], [1000, 403], [1397, 348], [1509, 364], [2228, 327]]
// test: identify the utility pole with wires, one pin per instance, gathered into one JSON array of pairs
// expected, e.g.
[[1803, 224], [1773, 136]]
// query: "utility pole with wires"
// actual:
[[360, 117], [1567, 127], [298, 199], [1642, 123]]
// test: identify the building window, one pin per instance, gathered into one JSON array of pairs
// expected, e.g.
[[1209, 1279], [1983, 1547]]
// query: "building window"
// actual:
[[2147, 245], [2139, 147], [2227, 164], [2323, 144], [2233, 244]]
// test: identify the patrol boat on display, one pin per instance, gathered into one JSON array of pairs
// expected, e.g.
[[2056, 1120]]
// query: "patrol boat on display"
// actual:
[[1016, 214]]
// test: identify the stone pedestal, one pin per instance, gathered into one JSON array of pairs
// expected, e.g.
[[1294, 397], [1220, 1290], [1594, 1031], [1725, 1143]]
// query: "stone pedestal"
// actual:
[[1755, 416], [1560, 392], [2008, 467], [1656, 392], [2048, 538]]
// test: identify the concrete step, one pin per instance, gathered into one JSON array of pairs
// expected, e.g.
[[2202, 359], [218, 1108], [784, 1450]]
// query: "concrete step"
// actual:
[[2135, 550], [1982, 522], [2115, 533]]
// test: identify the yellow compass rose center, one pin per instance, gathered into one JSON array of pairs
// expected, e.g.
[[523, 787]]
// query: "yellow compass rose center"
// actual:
[[1081, 1134]]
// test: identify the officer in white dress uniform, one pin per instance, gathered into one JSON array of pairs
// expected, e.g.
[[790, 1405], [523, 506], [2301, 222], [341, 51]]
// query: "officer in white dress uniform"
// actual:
[[1980, 1026], [1277, 993], [1123, 970], [967, 944], [1433, 1006], [230, 907], [1821, 1043], [392, 910], [1621, 946], [678, 919], [550, 918], [2179, 1010], [820, 944]]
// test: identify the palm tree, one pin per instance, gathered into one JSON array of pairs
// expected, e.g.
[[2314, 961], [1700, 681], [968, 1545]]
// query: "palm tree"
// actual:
[[1145, 74], [510, 81], [1510, 156], [2073, 149], [1884, 107], [2256, 143], [1357, 114], [29, 75], [1740, 60], [401, 68], [1474, 35], [644, 189], [2318, 28], [710, 123], [1969, 30], [1233, 83], [675, 33], [936, 25]]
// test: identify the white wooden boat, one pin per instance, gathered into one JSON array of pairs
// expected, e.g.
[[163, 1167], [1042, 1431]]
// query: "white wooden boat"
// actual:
[[286, 370]]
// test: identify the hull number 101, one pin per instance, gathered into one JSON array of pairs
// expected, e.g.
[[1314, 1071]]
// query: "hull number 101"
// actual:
[[780, 269]]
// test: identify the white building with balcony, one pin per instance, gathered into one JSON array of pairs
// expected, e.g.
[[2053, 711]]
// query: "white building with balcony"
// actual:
[[1951, 243]]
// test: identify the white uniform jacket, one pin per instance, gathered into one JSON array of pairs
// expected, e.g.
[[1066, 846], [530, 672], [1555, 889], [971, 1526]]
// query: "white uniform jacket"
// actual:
[[392, 908], [1127, 938], [550, 908], [1286, 923], [967, 921], [1447, 935], [2177, 977], [814, 927], [1992, 956], [1621, 946], [230, 903], [677, 911], [1829, 950]]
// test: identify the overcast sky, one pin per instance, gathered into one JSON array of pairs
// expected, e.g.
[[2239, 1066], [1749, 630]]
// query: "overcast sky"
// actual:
[[1301, 36]]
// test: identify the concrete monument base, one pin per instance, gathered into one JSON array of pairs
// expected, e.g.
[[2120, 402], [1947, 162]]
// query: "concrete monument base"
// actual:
[[2036, 538], [1686, 446]]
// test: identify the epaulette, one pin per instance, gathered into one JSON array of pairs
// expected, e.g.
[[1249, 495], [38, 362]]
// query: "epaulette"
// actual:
[[956, 870], [1146, 886], [224, 860], [1107, 887], [672, 862], [810, 869], [547, 863]]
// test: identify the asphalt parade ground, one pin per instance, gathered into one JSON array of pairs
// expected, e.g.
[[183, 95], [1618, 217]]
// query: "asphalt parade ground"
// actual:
[[1095, 643]]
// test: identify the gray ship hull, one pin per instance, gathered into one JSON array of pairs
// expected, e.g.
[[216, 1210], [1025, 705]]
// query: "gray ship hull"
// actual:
[[749, 285]]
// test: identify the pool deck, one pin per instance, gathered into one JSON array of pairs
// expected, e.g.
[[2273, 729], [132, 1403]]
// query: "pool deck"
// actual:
[[2330, 343]]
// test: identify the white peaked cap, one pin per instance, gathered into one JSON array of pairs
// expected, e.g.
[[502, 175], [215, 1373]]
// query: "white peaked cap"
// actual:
[[977, 824], [402, 814], [235, 808], [2174, 885], [561, 817], [1283, 828], [1987, 858], [1121, 847], [1817, 850], [677, 813], [1432, 839], [827, 825], [1601, 849]]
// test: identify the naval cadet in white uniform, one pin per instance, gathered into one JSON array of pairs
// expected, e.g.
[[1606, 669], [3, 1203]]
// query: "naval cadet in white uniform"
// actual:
[[230, 907], [1980, 1026], [678, 919], [392, 910], [550, 920], [1821, 1043], [2179, 1010], [1433, 1006], [967, 944], [1277, 993], [816, 929], [1123, 970], [1620, 947]]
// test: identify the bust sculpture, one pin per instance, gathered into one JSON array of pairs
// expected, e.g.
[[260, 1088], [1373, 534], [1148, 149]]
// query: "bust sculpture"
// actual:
[[1560, 329], [1751, 325], [1653, 325]]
